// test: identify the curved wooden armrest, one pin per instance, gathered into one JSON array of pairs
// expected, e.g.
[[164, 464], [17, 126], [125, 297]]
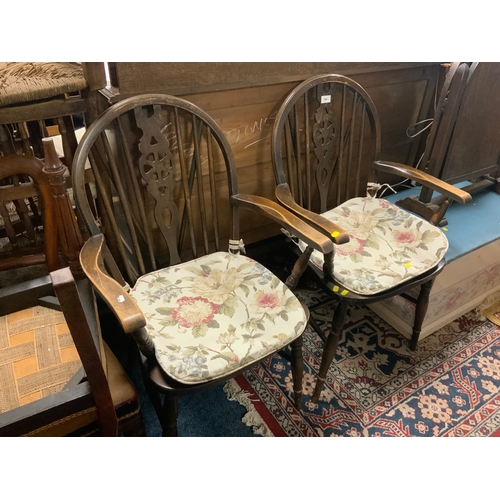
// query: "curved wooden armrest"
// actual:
[[336, 233], [23, 164], [425, 179], [123, 306], [287, 220]]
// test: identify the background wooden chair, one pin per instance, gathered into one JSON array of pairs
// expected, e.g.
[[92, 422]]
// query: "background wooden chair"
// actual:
[[42, 99], [58, 378], [462, 143], [168, 204], [37, 221], [325, 143], [26, 199], [473, 151]]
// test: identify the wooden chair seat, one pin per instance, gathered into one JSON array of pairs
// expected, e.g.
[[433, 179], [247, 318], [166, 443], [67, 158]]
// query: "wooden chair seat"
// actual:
[[42, 99], [38, 355], [22, 82]]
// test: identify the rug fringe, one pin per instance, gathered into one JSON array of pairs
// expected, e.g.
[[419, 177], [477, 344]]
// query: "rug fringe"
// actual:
[[251, 418]]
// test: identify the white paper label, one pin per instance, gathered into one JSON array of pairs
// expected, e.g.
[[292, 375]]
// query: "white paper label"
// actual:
[[326, 99]]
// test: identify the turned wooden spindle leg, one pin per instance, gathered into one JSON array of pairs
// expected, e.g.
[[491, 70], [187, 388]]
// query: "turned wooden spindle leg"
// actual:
[[420, 311], [68, 231], [330, 348], [328, 265], [169, 416], [299, 268], [297, 371]]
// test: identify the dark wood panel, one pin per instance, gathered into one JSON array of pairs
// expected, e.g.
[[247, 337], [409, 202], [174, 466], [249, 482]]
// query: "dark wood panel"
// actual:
[[193, 77]]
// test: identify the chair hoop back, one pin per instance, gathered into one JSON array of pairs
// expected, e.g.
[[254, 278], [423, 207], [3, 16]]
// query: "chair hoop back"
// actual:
[[321, 129], [180, 156]]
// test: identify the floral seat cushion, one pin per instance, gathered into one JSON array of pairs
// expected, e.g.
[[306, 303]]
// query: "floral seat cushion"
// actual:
[[387, 246], [215, 314]]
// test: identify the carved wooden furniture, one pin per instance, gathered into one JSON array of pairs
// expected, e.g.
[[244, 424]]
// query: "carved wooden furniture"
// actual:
[[474, 149], [168, 204], [325, 143], [33, 94], [58, 378], [37, 216], [243, 99], [23, 243], [463, 141]]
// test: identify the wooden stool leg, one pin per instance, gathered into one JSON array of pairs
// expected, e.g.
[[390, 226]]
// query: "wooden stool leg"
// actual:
[[330, 348], [297, 371], [169, 416], [420, 311]]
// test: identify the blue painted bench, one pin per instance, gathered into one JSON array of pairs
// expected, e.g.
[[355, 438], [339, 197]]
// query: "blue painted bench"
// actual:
[[472, 272]]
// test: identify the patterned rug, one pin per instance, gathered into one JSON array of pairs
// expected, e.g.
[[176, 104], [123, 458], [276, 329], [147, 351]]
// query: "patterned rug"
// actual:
[[377, 386]]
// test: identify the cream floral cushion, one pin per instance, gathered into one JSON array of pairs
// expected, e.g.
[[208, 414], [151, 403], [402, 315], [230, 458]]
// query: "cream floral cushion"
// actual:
[[215, 314], [387, 245]]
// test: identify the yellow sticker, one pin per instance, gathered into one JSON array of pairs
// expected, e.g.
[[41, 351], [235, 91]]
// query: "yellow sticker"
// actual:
[[335, 234], [344, 292], [445, 229], [408, 264], [335, 288]]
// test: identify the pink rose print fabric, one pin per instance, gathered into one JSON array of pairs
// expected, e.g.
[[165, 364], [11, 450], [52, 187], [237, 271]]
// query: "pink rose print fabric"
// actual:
[[214, 314], [387, 245]]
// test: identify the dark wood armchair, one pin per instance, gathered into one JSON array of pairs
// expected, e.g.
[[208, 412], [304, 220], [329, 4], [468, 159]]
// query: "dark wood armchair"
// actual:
[[325, 152], [168, 204]]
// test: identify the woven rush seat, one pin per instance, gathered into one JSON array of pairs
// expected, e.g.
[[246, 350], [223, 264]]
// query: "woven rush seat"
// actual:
[[37, 356], [387, 245], [39, 362], [193, 309], [22, 82]]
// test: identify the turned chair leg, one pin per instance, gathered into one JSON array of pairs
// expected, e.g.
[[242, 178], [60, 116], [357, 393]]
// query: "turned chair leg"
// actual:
[[330, 348], [297, 362], [169, 416], [420, 312]]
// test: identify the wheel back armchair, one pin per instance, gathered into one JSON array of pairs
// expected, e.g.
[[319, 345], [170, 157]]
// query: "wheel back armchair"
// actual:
[[166, 218], [325, 152]]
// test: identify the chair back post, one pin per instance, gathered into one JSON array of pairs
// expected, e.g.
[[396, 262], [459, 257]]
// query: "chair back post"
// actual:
[[66, 224], [68, 295]]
